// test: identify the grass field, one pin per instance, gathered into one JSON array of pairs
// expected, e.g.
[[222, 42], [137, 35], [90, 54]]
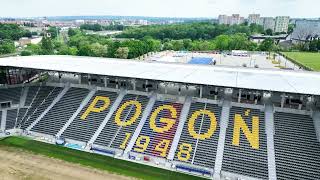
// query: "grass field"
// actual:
[[93, 160], [310, 60]]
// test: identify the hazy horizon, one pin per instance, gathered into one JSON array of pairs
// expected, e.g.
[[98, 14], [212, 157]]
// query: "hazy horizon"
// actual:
[[159, 8]]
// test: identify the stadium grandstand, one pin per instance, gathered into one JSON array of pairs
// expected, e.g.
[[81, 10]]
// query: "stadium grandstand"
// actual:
[[208, 121]]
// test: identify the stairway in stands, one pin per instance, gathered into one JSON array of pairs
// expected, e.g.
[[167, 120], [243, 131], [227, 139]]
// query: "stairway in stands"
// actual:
[[114, 135], [157, 137], [82, 130], [60, 113], [202, 150], [38, 99], [244, 159]]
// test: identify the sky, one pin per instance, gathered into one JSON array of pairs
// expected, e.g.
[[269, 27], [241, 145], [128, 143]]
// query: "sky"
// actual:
[[160, 8]]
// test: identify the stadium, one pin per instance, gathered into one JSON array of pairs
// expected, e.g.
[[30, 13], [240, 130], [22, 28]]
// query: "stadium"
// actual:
[[208, 121]]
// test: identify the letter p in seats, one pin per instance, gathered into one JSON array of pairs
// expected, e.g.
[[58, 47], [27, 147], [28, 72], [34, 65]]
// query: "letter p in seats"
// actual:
[[93, 106]]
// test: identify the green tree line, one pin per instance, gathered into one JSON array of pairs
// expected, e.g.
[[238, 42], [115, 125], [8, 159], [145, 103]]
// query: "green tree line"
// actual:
[[193, 31], [81, 44], [98, 27]]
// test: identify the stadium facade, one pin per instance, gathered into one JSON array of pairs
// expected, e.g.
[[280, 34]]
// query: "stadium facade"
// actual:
[[213, 122]]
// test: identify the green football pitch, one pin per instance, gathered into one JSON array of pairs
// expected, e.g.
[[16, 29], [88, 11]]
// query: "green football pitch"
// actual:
[[309, 60], [93, 160]]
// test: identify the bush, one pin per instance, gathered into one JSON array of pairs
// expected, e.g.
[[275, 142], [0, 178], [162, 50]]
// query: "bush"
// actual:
[[26, 53]]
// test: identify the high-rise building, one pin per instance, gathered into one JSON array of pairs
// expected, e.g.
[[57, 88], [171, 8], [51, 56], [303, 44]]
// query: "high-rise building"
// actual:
[[254, 19], [223, 19], [231, 20], [236, 19], [282, 23], [268, 23]]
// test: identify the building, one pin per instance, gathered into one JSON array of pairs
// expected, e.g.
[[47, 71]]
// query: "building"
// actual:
[[277, 38], [306, 30], [268, 23], [255, 19], [281, 24], [223, 19], [236, 19], [231, 20], [208, 121], [33, 40]]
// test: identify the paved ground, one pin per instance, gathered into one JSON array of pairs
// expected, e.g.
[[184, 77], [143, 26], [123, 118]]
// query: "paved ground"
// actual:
[[16, 164], [259, 60]]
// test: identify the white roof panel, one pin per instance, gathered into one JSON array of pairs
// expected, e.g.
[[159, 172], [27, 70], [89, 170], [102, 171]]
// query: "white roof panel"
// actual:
[[238, 77]]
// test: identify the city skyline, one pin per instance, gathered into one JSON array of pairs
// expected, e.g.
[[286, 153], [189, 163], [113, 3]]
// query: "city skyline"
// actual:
[[159, 8]]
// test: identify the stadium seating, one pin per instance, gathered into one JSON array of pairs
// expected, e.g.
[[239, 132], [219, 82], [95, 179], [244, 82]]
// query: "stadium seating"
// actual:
[[241, 156], [35, 96], [297, 150], [195, 149], [11, 94], [39, 103], [82, 129], [117, 135], [32, 92], [21, 113], [11, 119], [55, 119], [158, 132]]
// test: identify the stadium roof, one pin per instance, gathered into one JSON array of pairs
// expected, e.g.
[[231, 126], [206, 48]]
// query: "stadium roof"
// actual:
[[200, 60], [237, 77]]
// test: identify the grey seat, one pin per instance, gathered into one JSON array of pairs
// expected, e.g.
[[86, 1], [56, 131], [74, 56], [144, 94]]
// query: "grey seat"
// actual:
[[114, 135], [203, 153], [297, 150]]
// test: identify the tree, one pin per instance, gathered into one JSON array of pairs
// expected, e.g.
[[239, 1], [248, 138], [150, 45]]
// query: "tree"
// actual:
[[314, 45], [222, 42], [267, 45], [72, 32], [152, 45], [238, 41], [7, 47], [99, 50], [255, 28], [13, 32], [187, 43], [85, 50], [54, 31], [34, 48], [291, 28], [93, 27], [47, 46], [65, 50], [193, 31], [122, 52], [167, 46], [178, 45], [269, 32]]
